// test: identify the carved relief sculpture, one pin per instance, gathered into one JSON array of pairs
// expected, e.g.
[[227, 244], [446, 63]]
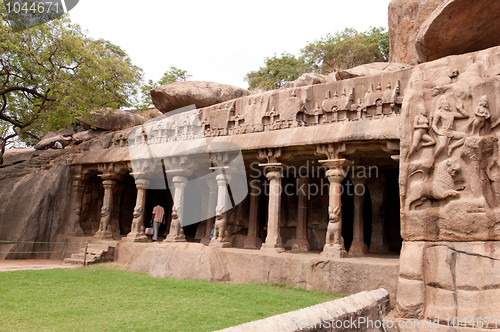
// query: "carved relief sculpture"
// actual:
[[421, 126], [443, 125]]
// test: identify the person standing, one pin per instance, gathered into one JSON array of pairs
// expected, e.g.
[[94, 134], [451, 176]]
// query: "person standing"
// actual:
[[158, 218]]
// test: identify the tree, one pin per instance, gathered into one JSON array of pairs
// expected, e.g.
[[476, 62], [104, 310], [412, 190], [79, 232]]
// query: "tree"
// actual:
[[347, 49], [172, 75], [343, 50], [277, 72], [51, 74]]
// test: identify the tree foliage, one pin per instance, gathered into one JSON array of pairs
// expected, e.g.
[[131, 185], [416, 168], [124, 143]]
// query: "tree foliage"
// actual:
[[347, 49], [276, 72], [172, 75], [51, 74], [342, 50]]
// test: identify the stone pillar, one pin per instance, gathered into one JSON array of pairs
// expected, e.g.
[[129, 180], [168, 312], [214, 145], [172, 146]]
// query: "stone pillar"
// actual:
[[221, 238], [176, 233], [378, 243], [301, 243], [104, 231], [211, 206], [74, 228], [273, 238], [358, 246], [334, 246], [137, 229], [252, 241]]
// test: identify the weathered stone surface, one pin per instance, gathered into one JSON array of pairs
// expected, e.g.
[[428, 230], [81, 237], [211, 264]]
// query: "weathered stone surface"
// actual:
[[411, 260], [33, 208], [405, 18], [51, 139], [202, 94], [374, 68], [411, 298], [346, 276], [461, 280], [322, 317], [457, 27], [112, 120], [306, 80]]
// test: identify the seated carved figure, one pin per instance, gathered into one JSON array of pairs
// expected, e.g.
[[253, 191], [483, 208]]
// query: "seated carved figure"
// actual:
[[175, 225], [333, 235], [440, 187], [220, 226]]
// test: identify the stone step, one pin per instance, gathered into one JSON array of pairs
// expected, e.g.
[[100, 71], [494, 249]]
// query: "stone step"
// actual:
[[96, 253]]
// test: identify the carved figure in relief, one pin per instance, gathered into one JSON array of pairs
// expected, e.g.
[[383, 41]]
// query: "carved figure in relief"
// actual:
[[440, 187], [421, 125], [333, 230], [482, 115], [443, 125]]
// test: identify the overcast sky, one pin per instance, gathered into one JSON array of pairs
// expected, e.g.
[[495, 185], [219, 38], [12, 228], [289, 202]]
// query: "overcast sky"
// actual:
[[219, 40]]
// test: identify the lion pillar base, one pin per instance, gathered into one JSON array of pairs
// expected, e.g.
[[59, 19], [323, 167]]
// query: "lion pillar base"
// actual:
[[334, 251]]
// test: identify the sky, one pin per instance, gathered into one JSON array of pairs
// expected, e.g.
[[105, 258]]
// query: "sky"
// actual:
[[220, 40]]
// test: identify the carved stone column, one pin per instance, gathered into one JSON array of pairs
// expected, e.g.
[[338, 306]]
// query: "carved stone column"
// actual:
[[301, 243], [176, 233], [378, 243], [358, 246], [137, 229], [221, 238], [73, 227], [252, 241], [104, 231], [212, 201], [273, 238], [334, 246]]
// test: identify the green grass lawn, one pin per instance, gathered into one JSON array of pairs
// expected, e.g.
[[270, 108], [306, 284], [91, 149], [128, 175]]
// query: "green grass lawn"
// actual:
[[100, 298]]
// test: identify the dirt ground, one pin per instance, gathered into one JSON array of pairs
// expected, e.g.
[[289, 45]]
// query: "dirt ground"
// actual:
[[33, 264]]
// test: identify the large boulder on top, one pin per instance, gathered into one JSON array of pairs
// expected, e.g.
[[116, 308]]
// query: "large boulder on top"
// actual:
[[405, 18], [457, 27], [112, 120], [306, 80], [202, 94]]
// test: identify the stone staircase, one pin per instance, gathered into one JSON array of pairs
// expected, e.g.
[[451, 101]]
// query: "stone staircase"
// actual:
[[97, 252]]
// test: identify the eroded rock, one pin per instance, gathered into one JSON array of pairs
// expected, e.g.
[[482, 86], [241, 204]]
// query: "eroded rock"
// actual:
[[202, 94]]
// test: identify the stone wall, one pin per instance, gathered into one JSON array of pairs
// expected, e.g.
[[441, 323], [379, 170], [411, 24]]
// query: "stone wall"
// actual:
[[449, 177], [345, 276], [336, 315]]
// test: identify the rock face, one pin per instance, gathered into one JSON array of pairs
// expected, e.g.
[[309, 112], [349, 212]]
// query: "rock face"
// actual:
[[202, 94], [374, 68], [457, 27], [405, 18], [34, 198], [113, 120], [305, 80]]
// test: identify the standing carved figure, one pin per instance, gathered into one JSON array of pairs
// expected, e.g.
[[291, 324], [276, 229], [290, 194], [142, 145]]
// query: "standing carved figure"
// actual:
[[482, 115], [421, 126], [443, 125]]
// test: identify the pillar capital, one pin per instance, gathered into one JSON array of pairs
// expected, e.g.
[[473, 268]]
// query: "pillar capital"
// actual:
[[108, 183], [142, 183], [336, 163]]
